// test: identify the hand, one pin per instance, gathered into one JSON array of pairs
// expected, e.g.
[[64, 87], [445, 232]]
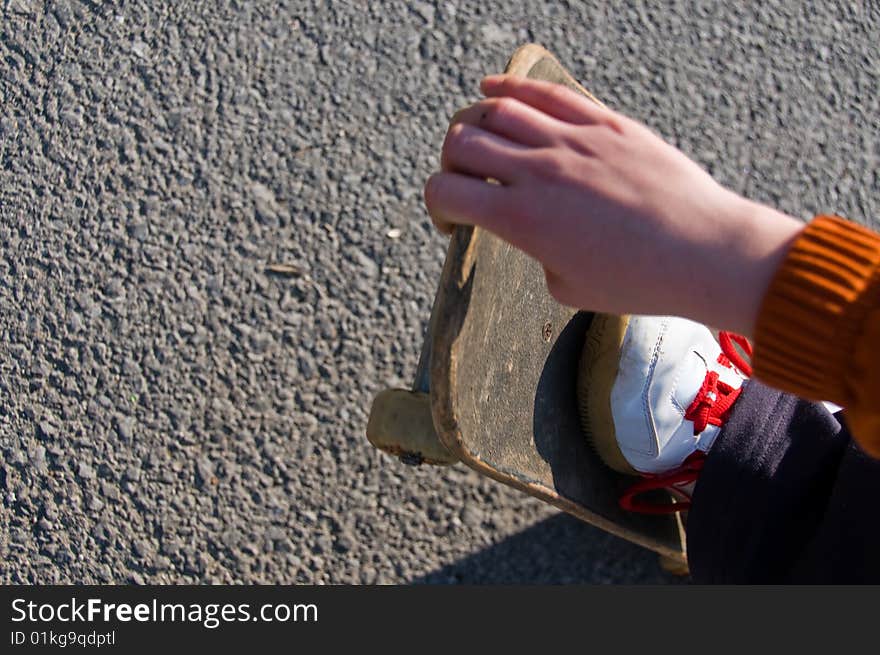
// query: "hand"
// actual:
[[621, 221]]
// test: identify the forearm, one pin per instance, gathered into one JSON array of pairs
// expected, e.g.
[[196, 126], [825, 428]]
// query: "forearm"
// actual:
[[727, 278], [808, 295], [819, 322]]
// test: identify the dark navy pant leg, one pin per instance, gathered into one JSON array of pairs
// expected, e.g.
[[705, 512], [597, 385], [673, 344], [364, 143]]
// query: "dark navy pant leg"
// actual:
[[785, 497]]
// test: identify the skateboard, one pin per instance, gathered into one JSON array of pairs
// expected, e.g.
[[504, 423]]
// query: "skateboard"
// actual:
[[497, 382]]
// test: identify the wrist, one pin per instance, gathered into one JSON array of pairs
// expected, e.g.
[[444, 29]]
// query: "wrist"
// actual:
[[753, 244], [767, 237]]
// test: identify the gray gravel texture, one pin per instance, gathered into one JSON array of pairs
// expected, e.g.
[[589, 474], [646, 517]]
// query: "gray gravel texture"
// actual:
[[172, 412]]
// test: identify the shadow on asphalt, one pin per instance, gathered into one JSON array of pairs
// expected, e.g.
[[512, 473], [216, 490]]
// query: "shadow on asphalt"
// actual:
[[558, 550]]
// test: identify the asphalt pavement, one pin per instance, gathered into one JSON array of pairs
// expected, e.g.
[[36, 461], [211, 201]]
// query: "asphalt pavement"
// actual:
[[174, 410]]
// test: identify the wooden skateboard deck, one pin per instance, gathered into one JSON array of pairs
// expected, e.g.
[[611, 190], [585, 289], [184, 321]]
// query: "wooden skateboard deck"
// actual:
[[500, 369]]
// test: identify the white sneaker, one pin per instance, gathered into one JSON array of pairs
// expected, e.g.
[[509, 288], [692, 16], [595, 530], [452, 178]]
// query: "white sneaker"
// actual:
[[654, 393]]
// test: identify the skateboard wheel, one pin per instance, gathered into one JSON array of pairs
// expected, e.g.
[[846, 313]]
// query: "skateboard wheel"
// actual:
[[674, 565], [400, 424]]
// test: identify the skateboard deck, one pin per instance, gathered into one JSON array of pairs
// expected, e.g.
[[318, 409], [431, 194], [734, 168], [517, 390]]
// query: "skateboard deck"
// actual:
[[496, 387]]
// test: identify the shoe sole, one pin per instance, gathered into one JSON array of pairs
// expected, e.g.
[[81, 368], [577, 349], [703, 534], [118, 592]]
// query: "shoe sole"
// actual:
[[597, 371]]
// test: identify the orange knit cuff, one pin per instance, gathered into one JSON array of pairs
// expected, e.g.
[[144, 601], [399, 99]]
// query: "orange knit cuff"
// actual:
[[814, 311]]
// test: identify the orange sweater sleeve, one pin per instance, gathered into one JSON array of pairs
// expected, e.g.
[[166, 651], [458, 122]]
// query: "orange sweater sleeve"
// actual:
[[818, 329]]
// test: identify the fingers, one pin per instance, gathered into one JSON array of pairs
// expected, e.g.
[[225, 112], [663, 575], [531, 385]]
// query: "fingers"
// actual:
[[513, 120], [473, 151], [552, 99], [454, 199], [491, 138], [556, 285]]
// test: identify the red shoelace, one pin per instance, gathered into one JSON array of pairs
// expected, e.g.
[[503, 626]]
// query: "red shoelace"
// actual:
[[711, 406]]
